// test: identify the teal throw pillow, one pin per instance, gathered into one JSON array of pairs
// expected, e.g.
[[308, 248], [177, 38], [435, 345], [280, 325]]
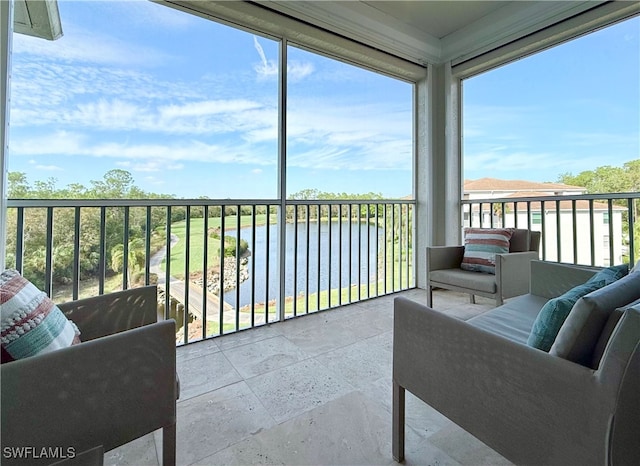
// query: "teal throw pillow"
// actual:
[[611, 274], [554, 313]]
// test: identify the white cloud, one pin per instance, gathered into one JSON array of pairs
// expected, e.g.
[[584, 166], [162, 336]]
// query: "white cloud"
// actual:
[[269, 68], [39, 166], [257, 171], [145, 155], [332, 134], [207, 107], [137, 119], [48, 167], [154, 180], [154, 166], [89, 47], [298, 70]]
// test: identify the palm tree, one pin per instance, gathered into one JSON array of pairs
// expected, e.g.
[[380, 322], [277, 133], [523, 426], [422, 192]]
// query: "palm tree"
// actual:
[[136, 257]]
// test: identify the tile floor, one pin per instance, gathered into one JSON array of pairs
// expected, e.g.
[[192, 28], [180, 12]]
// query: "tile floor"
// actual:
[[314, 390]]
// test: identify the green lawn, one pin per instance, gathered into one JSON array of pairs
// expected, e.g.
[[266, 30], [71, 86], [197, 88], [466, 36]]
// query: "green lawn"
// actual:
[[346, 295], [196, 241]]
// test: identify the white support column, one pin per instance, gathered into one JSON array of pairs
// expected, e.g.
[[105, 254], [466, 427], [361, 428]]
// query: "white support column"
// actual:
[[453, 158], [438, 163], [282, 180], [6, 31], [421, 172]]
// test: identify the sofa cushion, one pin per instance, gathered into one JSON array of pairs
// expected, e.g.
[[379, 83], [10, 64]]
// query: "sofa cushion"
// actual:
[[465, 279], [30, 323], [554, 312], [607, 331], [579, 334], [513, 320], [481, 246]]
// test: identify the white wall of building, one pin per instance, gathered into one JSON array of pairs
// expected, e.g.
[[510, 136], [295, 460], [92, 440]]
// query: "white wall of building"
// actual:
[[601, 234]]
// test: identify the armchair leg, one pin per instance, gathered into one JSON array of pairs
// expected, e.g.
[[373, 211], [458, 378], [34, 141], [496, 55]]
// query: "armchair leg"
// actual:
[[169, 445], [397, 441], [472, 298], [499, 301], [429, 296]]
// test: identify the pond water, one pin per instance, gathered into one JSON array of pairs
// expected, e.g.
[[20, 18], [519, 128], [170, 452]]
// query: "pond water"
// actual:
[[362, 238]]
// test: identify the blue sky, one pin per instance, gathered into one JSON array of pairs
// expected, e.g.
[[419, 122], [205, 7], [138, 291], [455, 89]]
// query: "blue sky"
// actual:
[[571, 108], [189, 107]]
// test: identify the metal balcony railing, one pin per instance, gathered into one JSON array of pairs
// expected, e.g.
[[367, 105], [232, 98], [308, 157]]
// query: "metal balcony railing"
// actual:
[[220, 265], [588, 229]]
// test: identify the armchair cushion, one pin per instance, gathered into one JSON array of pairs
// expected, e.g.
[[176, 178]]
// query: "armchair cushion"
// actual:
[[31, 323], [554, 312], [465, 279], [579, 334], [481, 246]]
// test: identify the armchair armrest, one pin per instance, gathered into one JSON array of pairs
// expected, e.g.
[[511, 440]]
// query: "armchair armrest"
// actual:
[[107, 392], [444, 257], [513, 272], [526, 404]]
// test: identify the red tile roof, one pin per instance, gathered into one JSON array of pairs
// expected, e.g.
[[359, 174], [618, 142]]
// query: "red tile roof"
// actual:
[[494, 184]]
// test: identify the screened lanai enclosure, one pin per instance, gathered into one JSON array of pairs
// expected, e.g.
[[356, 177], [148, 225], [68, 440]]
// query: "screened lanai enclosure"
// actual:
[[260, 161]]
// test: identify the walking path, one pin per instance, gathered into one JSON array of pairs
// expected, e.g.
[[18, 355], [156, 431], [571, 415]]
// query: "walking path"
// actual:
[[177, 291]]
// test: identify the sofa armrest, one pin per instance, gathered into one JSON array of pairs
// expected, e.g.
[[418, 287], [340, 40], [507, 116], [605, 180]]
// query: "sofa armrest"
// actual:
[[513, 273], [552, 279], [622, 361], [111, 313], [106, 392], [526, 404], [444, 257]]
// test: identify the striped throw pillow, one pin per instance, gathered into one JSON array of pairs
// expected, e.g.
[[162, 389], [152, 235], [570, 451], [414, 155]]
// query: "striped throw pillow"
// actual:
[[30, 323], [481, 246]]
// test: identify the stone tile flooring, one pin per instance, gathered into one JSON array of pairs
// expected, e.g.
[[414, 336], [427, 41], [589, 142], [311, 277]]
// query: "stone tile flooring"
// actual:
[[314, 390]]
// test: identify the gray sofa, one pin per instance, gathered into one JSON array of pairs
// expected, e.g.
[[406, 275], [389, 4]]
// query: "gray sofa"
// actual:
[[117, 385], [529, 405]]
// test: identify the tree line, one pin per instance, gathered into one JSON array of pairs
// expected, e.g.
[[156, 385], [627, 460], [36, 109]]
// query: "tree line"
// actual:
[[608, 179], [120, 184]]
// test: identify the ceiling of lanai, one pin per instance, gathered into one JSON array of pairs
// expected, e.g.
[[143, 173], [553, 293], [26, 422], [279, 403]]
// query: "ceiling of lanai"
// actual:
[[420, 31], [432, 31]]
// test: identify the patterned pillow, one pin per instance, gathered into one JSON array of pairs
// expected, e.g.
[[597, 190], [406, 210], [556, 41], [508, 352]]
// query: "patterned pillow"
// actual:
[[481, 246], [30, 323]]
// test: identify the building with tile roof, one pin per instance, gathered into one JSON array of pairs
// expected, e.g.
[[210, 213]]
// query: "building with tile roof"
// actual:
[[554, 217]]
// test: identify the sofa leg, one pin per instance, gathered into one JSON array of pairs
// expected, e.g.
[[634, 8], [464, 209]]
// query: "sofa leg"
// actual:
[[397, 441], [429, 296], [472, 298], [169, 445], [499, 301]]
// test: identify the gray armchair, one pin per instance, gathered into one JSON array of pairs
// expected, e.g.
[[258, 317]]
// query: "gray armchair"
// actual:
[[511, 277], [117, 385]]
